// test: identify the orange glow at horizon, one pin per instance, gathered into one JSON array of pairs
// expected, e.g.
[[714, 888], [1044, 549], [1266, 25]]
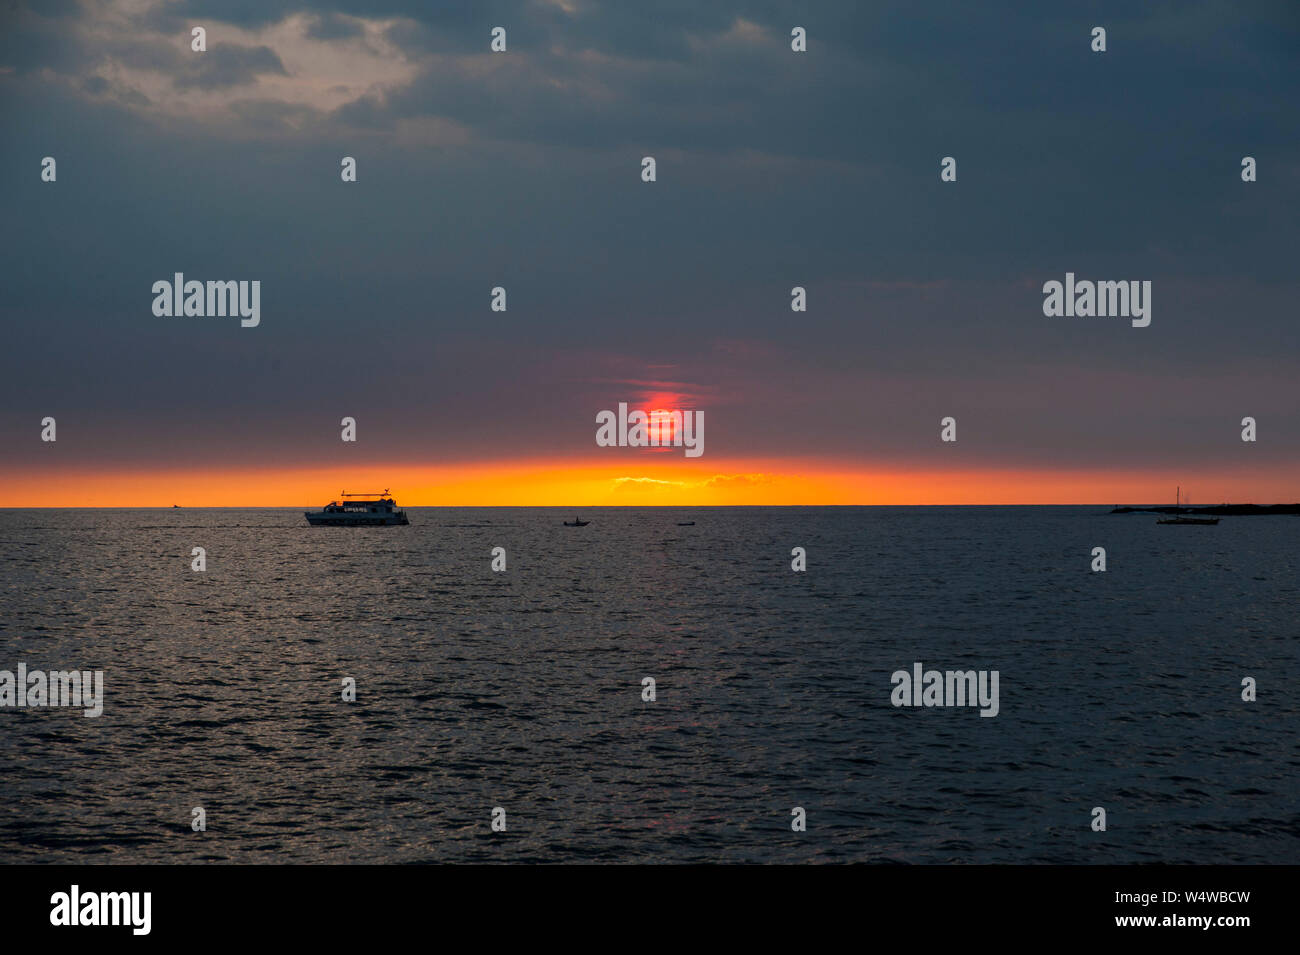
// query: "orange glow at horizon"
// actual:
[[642, 481]]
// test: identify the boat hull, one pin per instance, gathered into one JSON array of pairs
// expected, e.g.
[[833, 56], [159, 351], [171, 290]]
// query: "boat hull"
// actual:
[[321, 519]]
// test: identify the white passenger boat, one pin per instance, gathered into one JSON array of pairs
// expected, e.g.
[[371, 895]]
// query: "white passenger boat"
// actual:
[[379, 510]]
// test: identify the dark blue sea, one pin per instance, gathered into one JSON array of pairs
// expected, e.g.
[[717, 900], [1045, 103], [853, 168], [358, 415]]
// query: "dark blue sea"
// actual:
[[523, 690]]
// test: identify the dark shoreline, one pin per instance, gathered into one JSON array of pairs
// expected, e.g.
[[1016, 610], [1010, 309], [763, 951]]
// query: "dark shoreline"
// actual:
[[1239, 510]]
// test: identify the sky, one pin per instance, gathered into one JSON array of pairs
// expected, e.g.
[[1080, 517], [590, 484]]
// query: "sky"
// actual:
[[522, 170]]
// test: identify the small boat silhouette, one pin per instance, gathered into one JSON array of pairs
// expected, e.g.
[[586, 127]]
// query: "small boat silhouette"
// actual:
[[576, 523], [1179, 519], [685, 523]]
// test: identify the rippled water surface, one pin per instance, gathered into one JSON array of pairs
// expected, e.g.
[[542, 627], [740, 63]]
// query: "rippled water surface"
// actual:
[[523, 689]]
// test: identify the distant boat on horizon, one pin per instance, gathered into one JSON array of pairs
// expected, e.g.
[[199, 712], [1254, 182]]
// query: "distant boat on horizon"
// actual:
[[1185, 520], [576, 522], [379, 511]]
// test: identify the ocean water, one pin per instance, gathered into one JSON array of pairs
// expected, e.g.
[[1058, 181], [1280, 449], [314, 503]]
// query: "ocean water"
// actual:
[[522, 690]]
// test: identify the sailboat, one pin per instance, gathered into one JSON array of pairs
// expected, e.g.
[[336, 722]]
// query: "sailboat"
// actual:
[[1179, 519]]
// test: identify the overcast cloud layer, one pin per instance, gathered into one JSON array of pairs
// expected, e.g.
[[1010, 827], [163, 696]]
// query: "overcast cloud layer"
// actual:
[[774, 170]]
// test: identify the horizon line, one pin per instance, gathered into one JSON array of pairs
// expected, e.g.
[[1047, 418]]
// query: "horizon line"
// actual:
[[285, 507]]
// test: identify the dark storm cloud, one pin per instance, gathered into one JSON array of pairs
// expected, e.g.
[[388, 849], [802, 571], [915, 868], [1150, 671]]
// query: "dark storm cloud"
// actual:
[[332, 26], [272, 115], [40, 43], [31, 40], [775, 169], [225, 64], [46, 9]]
